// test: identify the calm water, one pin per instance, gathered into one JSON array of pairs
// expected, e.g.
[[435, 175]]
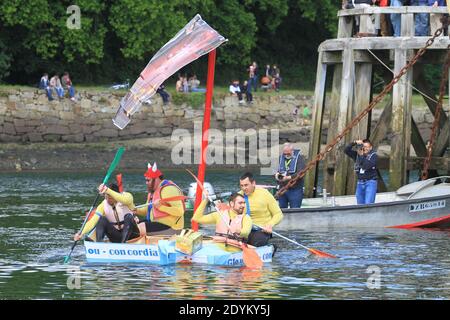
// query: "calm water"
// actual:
[[40, 212]]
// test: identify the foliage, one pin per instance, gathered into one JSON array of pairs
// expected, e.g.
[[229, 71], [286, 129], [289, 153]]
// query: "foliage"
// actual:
[[118, 38]]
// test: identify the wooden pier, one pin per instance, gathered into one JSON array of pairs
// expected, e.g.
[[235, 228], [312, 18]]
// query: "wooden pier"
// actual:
[[349, 62]]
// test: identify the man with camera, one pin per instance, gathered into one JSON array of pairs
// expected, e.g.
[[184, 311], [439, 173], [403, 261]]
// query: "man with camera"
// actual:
[[366, 169], [291, 162]]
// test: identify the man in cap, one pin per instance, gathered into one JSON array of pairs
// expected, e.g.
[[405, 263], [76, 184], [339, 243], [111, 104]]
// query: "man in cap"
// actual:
[[162, 217]]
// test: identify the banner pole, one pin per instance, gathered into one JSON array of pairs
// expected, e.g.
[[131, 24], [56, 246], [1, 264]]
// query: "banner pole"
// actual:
[[205, 129]]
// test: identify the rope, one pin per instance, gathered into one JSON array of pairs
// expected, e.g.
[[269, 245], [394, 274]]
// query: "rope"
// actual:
[[412, 86], [321, 155]]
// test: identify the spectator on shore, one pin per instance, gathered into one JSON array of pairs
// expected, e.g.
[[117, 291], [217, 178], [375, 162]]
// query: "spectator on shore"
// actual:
[[248, 91], [306, 115], [276, 78], [396, 18], [421, 20], [45, 85], [179, 84], [185, 84], [435, 18], [55, 83], [67, 85], [194, 84], [295, 114], [266, 83], [164, 95], [255, 78], [235, 90], [277, 82]]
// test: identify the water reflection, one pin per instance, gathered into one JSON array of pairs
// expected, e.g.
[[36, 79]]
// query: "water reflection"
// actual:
[[36, 224]]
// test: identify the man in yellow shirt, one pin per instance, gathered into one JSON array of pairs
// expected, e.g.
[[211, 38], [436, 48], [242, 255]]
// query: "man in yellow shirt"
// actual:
[[113, 217], [262, 207], [162, 217], [232, 223]]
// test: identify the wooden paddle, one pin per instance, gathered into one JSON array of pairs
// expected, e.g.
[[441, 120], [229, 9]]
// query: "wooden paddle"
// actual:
[[111, 169], [314, 251], [249, 255]]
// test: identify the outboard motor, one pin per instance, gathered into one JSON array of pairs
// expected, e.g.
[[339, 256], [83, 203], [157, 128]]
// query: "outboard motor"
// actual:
[[193, 190]]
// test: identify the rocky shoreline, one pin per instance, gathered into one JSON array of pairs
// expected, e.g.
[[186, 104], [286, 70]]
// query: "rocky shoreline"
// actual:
[[38, 135]]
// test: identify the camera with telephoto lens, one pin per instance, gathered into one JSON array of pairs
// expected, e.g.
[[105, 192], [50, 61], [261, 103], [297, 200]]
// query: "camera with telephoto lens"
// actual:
[[279, 176]]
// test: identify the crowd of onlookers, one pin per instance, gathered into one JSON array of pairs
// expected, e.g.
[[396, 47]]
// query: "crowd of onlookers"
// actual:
[[390, 24], [270, 80], [57, 85], [187, 84]]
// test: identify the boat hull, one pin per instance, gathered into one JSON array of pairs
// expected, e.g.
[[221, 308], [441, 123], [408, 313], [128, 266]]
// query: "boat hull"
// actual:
[[164, 253], [425, 212]]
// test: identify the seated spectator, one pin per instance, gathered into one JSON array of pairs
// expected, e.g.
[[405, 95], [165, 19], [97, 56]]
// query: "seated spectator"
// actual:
[[235, 90], [55, 84], [45, 85], [185, 85], [306, 115], [435, 18], [164, 95], [194, 84], [67, 85], [179, 84], [266, 82]]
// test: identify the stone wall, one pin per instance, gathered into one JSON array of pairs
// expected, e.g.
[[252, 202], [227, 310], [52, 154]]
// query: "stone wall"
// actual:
[[26, 115]]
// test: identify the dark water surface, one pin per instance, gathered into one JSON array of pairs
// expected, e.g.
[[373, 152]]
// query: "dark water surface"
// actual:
[[40, 212]]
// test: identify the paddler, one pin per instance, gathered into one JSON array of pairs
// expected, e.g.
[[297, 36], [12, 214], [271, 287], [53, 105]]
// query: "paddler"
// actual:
[[162, 217], [113, 217], [262, 207], [232, 224]]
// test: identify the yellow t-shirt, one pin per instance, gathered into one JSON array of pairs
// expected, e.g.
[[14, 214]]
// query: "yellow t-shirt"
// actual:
[[215, 217], [125, 198], [264, 208], [175, 218]]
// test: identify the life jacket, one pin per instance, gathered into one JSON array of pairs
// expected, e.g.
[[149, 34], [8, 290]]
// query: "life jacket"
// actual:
[[158, 214], [224, 232], [291, 163], [116, 217]]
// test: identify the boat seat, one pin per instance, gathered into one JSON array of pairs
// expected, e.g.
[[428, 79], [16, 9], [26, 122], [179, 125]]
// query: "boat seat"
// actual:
[[441, 189], [413, 187]]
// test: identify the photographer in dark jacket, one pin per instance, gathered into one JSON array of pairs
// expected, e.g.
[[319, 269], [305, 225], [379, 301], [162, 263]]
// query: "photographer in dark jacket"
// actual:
[[291, 162], [366, 169]]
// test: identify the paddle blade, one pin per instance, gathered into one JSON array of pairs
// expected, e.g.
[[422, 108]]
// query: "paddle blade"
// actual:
[[251, 258], [321, 253], [119, 182], [66, 259], [114, 164]]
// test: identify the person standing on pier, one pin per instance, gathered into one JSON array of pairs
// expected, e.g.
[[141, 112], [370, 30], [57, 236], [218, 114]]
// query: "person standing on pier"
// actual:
[[435, 18], [366, 169], [396, 18]]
